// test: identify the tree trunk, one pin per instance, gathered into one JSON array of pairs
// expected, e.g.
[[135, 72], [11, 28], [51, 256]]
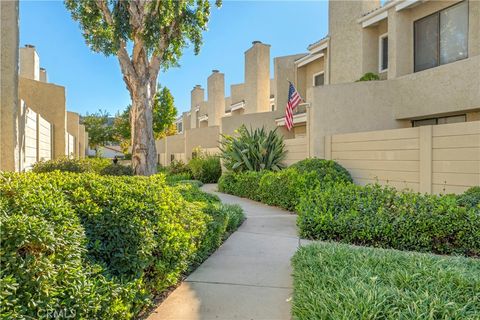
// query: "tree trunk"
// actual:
[[144, 154]]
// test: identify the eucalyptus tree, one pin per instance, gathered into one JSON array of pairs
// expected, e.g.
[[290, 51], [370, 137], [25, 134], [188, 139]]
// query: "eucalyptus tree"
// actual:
[[146, 36]]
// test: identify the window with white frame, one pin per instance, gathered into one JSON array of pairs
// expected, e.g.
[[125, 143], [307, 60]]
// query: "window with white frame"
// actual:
[[319, 79], [441, 37], [383, 53]]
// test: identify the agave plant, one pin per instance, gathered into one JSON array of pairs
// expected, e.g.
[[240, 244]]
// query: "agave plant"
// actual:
[[253, 150]]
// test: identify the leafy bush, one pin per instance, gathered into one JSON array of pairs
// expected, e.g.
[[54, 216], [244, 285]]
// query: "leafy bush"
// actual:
[[206, 168], [284, 188], [178, 167], [98, 245], [369, 76], [470, 198], [117, 170], [384, 217], [72, 165], [242, 184], [327, 170], [253, 150], [333, 281]]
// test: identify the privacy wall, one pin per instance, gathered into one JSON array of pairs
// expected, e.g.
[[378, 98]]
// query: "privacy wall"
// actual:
[[437, 159]]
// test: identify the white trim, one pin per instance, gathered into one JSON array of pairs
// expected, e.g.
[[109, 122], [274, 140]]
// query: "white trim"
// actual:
[[406, 4], [322, 44], [197, 108], [375, 19], [237, 106], [203, 118], [316, 74], [297, 118], [308, 58], [380, 51]]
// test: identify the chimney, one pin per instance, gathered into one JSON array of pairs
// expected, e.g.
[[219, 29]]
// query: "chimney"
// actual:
[[29, 63], [197, 96], [43, 75], [257, 78], [216, 97]]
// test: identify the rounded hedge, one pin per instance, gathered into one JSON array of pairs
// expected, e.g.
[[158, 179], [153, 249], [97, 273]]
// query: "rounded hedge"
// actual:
[[326, 170]]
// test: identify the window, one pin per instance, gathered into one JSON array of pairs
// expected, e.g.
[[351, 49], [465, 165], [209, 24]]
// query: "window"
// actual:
[[318, 79], [383, 53], [442, 37], [441, 120]]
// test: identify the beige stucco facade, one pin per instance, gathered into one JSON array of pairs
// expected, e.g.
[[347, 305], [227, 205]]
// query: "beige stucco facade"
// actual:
[[338, 107], [34, 121]]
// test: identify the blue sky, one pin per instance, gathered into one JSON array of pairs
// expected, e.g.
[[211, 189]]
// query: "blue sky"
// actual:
[[94, 81]]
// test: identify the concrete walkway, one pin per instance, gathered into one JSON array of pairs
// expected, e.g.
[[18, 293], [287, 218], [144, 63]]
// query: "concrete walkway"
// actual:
[[248, 277]]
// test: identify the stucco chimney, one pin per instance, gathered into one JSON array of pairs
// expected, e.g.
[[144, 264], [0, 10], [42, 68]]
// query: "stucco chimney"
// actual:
[[43, 75], [257, 78], [197, 96], [216, 97], [29, 63]]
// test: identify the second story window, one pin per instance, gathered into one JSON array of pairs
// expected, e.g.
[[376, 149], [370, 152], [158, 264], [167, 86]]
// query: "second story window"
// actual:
[[319, 79], [383, 53], [442, 37]]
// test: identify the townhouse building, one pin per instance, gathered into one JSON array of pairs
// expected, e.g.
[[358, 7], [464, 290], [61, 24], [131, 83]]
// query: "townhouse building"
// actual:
[[416, 127], [35, 123]]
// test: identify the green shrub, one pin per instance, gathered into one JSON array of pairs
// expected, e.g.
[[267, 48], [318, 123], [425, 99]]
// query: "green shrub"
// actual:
[[178, 167], [242, 184], [369, 76], [72, 165], [326, 170], [470, 198], [206, 168], [284, 188], [176, 178], [384, 217], [333, 281], [45, 268], [117, 170], [99, 245], [253, 150]]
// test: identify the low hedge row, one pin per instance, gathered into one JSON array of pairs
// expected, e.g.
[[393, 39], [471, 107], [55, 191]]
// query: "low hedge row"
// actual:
[[93, 165], [373, 215], [98, 247], [337, 281], [284, 188]]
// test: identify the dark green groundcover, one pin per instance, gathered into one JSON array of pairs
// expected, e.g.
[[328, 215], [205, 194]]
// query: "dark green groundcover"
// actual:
[[337, 281], [100, 247]]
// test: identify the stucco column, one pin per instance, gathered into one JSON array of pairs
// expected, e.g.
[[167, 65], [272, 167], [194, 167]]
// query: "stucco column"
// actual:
[[400, 48], [257, 78], [216, 98], [9, 159]]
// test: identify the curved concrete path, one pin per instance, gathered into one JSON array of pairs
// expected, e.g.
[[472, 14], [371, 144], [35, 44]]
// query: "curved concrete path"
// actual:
[[248, 277]]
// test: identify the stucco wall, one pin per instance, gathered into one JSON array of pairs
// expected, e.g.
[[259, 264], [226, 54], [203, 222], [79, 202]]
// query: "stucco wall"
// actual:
[[237, 92], [48, 100], [284, 69], [81, 141], [255, 120], [207, 137], [9, 78], [305, 75]]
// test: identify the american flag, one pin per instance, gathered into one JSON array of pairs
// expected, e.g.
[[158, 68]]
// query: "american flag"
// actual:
[[293, 101]]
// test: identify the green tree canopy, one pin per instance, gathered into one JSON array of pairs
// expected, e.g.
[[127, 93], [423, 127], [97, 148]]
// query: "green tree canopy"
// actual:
[[145, 36], [99, 130]]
